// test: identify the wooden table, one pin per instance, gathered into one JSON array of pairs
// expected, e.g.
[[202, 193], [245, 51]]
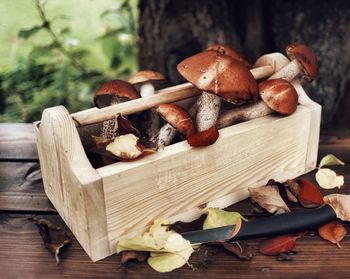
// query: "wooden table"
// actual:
[[22, 253]]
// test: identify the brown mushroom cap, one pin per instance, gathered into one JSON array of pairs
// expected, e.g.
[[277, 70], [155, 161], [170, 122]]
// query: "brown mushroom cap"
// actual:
[[220, 74], [226, 50], [177, 117], [279, 95], [114, 89], [145, 76], [305, 57]]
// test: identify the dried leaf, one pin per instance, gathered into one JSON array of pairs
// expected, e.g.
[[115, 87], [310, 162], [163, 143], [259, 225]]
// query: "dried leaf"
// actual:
[[126, 147], [330, 160], [55, 238], [169, 249], [328, 179], [340, 204], [333, 232], [140, 256], [124, 126], [241, 249], [269, 198], [277, 245], [218, 218], [204, 138], [306, 192]]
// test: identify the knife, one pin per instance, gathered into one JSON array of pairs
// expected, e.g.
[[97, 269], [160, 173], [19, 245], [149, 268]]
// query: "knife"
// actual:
[[286, 223]]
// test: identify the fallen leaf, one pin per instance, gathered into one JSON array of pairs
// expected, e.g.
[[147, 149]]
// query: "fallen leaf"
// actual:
[[204, 138], [218, 218], [328, 179], [126, 147], [124, 126], [166, 262], [140, 256], [55, 238], [241, 249], [333, 232], [306, 192], [269, 198], [340, 204], [330, 160], [277, 245], [169, 250]]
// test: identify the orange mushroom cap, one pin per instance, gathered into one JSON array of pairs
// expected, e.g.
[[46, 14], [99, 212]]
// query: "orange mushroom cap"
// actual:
[[307, 59], [145, 76], [114, 88], [279, 95], [226, 50], [177, 117], [220, 74]]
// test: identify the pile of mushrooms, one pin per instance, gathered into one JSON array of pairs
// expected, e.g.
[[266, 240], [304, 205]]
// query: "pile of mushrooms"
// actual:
[[222, 76]]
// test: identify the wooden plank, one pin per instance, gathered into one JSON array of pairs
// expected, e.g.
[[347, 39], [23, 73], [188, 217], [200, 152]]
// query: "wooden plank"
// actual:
[[17, 142], [22, 252], [21, 188]]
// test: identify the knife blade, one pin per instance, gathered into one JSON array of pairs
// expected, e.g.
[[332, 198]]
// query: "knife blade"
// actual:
[[286, 223]]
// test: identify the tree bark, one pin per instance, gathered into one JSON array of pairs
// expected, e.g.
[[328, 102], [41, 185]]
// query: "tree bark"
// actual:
[[170, 31]]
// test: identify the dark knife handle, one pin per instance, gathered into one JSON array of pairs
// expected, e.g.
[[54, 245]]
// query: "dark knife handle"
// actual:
[[287, 223]]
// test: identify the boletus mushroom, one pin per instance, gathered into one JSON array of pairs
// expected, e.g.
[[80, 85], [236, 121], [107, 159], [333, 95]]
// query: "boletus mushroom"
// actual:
[[218, 76], [277, 95], [178, 119], [111, 93]]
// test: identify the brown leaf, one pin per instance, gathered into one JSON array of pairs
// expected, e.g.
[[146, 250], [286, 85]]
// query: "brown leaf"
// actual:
[[124, 126], [306, 192], [340, 204], [204, 138], [277, 245], [333, 232], [140, 256], [269, 198], [241, 249], [55, 238]]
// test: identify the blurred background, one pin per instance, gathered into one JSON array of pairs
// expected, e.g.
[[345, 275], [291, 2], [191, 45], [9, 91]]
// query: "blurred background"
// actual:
[[57, 52]]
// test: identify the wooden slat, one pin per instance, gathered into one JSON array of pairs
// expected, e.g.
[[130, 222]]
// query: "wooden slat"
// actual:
[[21, 188], [22, 255], [17, 142]]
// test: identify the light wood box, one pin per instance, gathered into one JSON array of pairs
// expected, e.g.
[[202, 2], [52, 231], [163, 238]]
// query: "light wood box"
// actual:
[[102, 205]]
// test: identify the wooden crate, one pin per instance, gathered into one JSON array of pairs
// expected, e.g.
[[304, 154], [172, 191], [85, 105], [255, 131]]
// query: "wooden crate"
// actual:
[[102, 205]]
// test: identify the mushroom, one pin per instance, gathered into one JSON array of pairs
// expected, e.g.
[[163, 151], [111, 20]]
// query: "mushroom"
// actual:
[[177, 119], [111, 93], [278, 95], [302, 61], [145, 81], [218, 76]]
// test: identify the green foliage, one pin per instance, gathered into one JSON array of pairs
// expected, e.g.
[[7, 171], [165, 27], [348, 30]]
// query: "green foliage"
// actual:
[[62, 71]]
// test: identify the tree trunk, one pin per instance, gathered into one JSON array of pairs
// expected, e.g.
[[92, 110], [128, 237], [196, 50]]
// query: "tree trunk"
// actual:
[[173, 30]]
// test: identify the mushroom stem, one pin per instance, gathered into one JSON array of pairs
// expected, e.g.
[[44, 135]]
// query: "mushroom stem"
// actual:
[[208, 111], [147, 89], [109, 128], [165, 136], [243, 113], [288, 72]]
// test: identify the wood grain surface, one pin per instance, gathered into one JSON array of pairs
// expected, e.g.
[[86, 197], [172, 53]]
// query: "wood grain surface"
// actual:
[[23, 255]]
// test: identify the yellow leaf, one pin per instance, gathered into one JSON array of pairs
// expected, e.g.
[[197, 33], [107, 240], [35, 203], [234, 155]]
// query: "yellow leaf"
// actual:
[[330, 160], [219, 218]]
